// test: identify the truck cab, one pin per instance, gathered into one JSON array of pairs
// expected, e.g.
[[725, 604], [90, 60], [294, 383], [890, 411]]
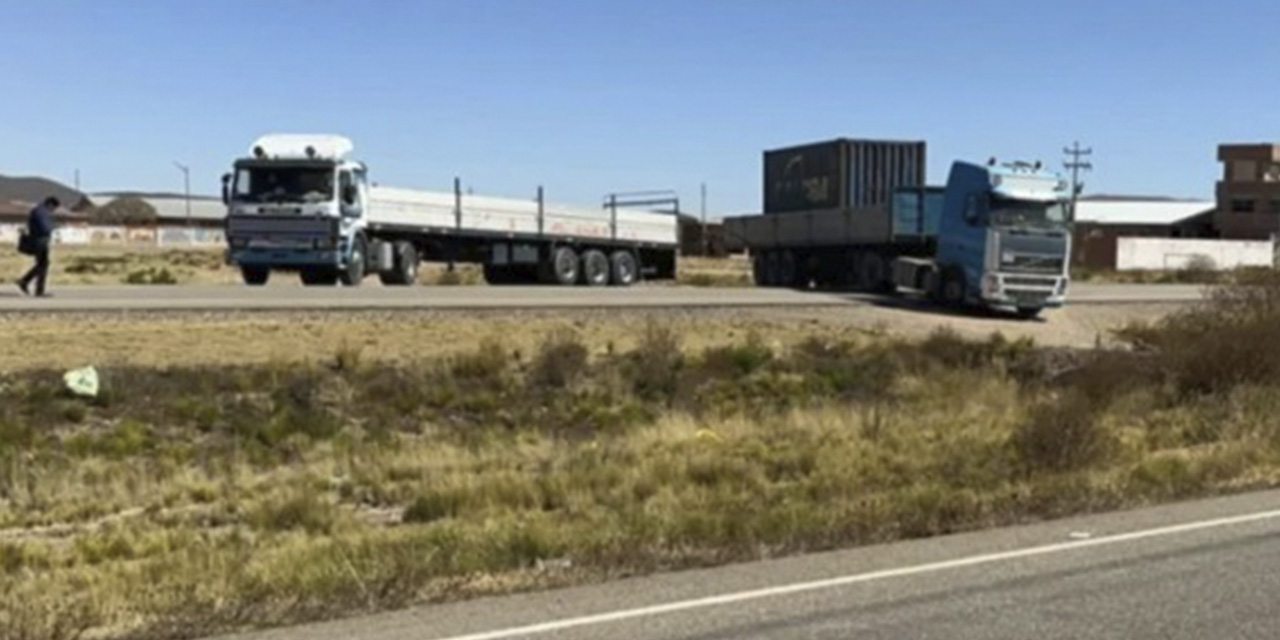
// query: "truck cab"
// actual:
[[1003, 238], [297, 202]]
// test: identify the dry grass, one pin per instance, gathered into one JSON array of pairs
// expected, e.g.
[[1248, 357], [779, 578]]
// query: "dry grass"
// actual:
[[126, 265], [193, 500]]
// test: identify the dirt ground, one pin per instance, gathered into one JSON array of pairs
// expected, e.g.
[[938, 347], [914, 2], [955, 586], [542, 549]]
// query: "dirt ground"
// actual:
[[163, 339]]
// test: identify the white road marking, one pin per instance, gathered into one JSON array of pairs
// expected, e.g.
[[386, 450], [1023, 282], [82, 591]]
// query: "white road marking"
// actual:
[[773, 592]]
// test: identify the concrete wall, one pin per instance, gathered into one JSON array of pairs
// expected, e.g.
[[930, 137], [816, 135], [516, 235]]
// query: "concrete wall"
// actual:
[[103, 235], [1176, 253]]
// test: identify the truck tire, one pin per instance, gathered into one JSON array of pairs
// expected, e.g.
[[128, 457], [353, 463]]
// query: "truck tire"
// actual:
[[772, 266], [404, 265], [318, 277], [497, 274], [595, 268], [353, 274], [758, 273], [787, 275], [1028, 313], [871, 273], [255, 276], [952, 292], [563, 267], [623, 268]]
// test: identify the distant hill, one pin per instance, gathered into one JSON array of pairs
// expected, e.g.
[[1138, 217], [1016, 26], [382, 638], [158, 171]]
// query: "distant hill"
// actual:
[[32, 190]]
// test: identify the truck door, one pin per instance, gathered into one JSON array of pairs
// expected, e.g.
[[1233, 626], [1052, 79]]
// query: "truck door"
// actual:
[[352, 194]]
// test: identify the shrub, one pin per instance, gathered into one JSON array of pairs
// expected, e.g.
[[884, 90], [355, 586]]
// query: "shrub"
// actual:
[[151, 275], [740, 359], [298, 510], [655, 363], [561, 360], [1063, 434]]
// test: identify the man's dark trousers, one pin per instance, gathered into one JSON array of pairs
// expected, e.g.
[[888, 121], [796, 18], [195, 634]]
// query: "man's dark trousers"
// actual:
[[40, 272]]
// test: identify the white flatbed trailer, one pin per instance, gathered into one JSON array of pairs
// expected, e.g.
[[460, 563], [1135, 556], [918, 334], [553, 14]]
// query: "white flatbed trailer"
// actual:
[[336, 227]]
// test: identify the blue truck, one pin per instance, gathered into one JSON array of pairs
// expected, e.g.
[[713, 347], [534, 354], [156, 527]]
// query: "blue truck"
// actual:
[[860, 217]]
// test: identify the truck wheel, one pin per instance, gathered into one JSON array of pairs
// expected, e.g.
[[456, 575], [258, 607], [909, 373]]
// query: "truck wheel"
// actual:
[[1028, 313], [255, 276], [758, 270], [404, 269], [772, 268], [595, 268], [787, 270], [497, 274], [353, 275], [318, 277], [953, 289], [624, 269], [871, 273], [564, 267]]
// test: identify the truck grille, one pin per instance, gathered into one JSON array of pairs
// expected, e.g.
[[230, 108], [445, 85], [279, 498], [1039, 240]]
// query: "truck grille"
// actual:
[[280, 226], [1033, 264], [1025, 281]]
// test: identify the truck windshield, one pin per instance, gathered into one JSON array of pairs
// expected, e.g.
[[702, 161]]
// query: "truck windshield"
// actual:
[[284, 184], [1023, 213]]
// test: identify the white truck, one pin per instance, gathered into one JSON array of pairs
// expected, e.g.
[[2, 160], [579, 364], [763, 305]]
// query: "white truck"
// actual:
[[300, 203]]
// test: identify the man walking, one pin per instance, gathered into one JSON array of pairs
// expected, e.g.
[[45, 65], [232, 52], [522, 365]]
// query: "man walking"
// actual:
[[40, 225]]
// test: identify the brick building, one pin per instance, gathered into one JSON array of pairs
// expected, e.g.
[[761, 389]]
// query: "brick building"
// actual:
[[1249, 193]]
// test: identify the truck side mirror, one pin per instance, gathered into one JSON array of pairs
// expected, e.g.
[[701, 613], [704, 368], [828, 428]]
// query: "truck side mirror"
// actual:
[[226, 188], [349, 194]]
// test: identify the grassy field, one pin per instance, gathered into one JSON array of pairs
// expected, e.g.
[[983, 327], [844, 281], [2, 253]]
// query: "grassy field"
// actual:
[[188, 500]]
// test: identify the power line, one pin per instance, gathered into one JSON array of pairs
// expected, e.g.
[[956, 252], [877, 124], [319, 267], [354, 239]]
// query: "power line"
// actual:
[[1076, 166]]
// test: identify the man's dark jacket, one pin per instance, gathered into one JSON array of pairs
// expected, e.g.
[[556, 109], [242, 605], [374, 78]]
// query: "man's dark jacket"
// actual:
[[40, 225]]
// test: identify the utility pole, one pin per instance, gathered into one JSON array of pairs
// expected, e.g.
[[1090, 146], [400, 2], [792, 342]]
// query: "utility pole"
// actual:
[[77, 179], [706, 250], [1076, 166], [186, 182]]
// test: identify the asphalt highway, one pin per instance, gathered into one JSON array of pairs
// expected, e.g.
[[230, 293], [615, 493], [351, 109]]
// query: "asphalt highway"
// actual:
[[1208, 569], [373, 296]]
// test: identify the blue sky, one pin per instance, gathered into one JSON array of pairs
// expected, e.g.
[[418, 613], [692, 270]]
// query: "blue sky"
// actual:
[[591, 96]]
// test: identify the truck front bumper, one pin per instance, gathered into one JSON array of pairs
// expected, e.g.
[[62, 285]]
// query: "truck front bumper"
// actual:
[[1022, 290], [284, 258]]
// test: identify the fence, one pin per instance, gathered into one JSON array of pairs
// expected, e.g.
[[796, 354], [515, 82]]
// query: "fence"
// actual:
[[103, 235], [1175, 253]]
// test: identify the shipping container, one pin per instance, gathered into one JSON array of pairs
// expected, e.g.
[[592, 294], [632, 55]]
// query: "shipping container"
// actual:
[[840, 174]]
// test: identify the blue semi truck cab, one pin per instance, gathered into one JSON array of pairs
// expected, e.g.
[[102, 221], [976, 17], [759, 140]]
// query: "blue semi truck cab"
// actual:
[[1002, 240]]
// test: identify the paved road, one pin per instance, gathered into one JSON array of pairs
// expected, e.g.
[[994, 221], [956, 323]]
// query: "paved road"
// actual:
[[1207, 569], [287, 297]]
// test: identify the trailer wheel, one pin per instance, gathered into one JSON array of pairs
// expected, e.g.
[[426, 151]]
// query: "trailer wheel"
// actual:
[[787, 270], [771, 268], [404, 270], [759, 270], [497, 274], [353, 275], [623, 268], [318, 277], [595, 268], [564, 267], [255, 276]]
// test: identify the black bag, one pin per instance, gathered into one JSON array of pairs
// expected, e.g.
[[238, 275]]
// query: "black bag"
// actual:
[[26, 244]]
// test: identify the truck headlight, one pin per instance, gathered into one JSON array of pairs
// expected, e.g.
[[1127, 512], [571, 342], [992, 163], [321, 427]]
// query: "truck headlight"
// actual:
[[990, 285]]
